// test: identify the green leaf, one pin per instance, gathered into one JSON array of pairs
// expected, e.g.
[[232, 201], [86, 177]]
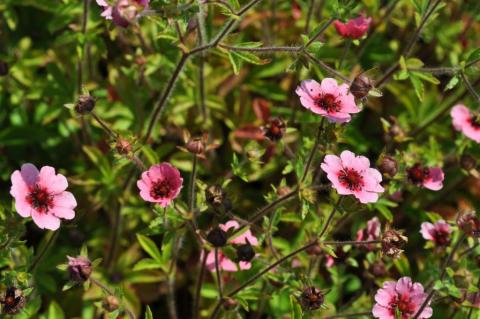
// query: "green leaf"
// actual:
[[55, 311], [418, 86], [295, 308], [427, 77], [234, 61], [475, 55], [147, 263], [149, 246], [452, 83], [249, 57], [148, 313]]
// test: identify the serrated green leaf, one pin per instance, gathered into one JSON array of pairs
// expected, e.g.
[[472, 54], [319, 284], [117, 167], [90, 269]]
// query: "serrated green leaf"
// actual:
[[418, 86]]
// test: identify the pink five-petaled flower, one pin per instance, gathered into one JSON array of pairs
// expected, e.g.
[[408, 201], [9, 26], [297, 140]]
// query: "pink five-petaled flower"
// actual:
[[428, 177], [403, 296], [466, 122], [439, 232], [224, 263], [354, 28], [123, 12], [161, 183], [352, 175], [328, 99], [42, 195]]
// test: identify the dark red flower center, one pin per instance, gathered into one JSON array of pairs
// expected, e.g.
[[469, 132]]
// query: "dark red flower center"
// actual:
[[441, 237], [328, 102], [160, 189], [40, 199], [475, 121], [351, 179], [404, 305], [418, 174]]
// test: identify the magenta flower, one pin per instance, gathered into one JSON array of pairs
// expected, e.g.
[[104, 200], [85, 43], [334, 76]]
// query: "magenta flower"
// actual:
[[160, 184], [466, 122], [354, 28], [123, 12], [42, 196], [439, 232], [352, 175], [328, 99], [224, 262], [428, 177], [371, 232], [403, 296]]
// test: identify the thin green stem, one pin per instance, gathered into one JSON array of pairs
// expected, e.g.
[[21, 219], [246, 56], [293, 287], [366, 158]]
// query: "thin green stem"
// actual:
[[53, 237], [312, 151], [330, 218], [469, 86], [198, 285], [346, 48]]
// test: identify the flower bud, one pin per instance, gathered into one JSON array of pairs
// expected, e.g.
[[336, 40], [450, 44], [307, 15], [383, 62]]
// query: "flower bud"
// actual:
[[388, 166], [360, 86], [468, 162], [196, 145], [3, 68], [217, 237], [80, 268], [12, 301], [230, 304], [245, 252], [392, 242], [85, 104], [110, 303], [312, 299], [123, 146], [315, 250], [378, 269], [274, 129], [469, 223]]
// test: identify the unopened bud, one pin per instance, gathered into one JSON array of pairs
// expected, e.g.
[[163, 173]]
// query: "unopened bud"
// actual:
[[468, 162], [85, 104], [388, 166], [230, 304], [312, 298], [110, 303], [217, 237], [360, 86], [196, 145], [123, 146], [469, 223], [378, 269], [80, 268], [314, 250]]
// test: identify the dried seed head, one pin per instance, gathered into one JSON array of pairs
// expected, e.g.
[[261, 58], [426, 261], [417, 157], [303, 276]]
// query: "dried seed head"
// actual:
[[217, 237], [85, 104], [392, 242], [245, 252], [110, 303], [80, 268], [274, 129], [360, 86], [388, 166], [12, 301], [312, 298], [469, 223]]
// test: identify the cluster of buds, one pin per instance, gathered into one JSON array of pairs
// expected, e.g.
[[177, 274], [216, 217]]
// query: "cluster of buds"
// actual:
[[469, 223], [392, 242], [312, 298], [217, 197], [80, 268], [12, 301], [274, 129]]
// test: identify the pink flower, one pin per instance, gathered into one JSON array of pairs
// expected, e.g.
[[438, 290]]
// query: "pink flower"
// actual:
[[232, 225], [466, 122], [328, 99], [439, 232], [352, 175], [42, 195], [123, 12], [354, 28], [403, 296], [224, 262], [428, 177], [160, 184]]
